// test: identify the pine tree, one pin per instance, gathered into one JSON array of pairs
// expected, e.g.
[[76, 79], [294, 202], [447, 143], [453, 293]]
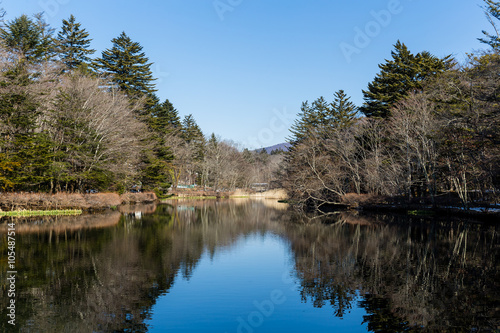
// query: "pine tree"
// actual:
[[128, 66], [164, 118], [343, 111], [492, 11], [26, 150], [405, 72], [192, 135], [74, 44], [165, 124], [309, 119], [212, 142], [157, 157], [191, 132], [29, 38], [323, 116], [6, 168]]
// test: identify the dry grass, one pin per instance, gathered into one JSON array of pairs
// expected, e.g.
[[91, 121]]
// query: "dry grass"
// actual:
[[278, 194], [62, 200]]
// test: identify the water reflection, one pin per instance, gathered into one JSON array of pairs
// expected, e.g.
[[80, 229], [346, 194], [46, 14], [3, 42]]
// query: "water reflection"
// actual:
[[105, 273], [412, 273]]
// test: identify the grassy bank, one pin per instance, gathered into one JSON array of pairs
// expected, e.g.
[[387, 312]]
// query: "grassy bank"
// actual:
[[69, 201], [23, 213]]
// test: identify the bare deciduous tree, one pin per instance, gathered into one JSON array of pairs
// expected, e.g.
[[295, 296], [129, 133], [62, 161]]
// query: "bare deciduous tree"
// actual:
[[413, 127], [95, 127]]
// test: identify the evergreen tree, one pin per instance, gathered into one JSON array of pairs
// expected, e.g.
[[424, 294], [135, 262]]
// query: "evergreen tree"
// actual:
[[128, 66], [166, 129], [74, 44], [309, 119], [25, 150], [30, 38], [212, 142], [165, 125], [492, 11], [321, 116], [343, 111], [191, 132], [164, 118], [48, 40], [192, 135], [6, 167], [405, 72]]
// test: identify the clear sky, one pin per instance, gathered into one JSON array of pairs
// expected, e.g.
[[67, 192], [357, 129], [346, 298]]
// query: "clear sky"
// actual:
[[243, 67]]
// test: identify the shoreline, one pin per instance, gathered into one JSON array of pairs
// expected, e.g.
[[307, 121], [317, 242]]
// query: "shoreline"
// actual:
[[89, 202], [14, 201], [425, 211]]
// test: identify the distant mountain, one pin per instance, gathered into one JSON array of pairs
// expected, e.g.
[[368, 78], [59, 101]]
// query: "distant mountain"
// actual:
[[283, 146]]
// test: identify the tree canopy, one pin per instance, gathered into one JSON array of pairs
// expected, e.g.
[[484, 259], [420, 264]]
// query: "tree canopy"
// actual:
[[128, 67], [321, 114], [30, 38], [402, 74], [74, 44], [492, 11]]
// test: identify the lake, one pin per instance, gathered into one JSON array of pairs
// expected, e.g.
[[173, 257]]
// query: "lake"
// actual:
[[251, 266]]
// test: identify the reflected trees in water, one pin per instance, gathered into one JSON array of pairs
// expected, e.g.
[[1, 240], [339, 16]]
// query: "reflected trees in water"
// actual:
[[408, 274]]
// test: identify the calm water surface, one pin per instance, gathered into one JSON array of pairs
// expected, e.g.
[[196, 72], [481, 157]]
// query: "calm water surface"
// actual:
[[251, 266]]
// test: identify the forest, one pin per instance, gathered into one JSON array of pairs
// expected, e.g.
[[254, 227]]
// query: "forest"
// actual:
[[427, 132], [73, 123]]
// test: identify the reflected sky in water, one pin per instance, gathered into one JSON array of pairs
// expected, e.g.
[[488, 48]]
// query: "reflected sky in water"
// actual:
[[233, 292]]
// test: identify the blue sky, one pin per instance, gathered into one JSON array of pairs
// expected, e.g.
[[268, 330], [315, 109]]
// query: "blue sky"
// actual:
[[243, 67]]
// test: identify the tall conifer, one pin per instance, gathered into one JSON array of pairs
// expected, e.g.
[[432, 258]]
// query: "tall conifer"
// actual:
[[128, 66], [321, 116], [343, 111], [398, 76], [164, 118], [74, 44], [29, 38], [192, 134]]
